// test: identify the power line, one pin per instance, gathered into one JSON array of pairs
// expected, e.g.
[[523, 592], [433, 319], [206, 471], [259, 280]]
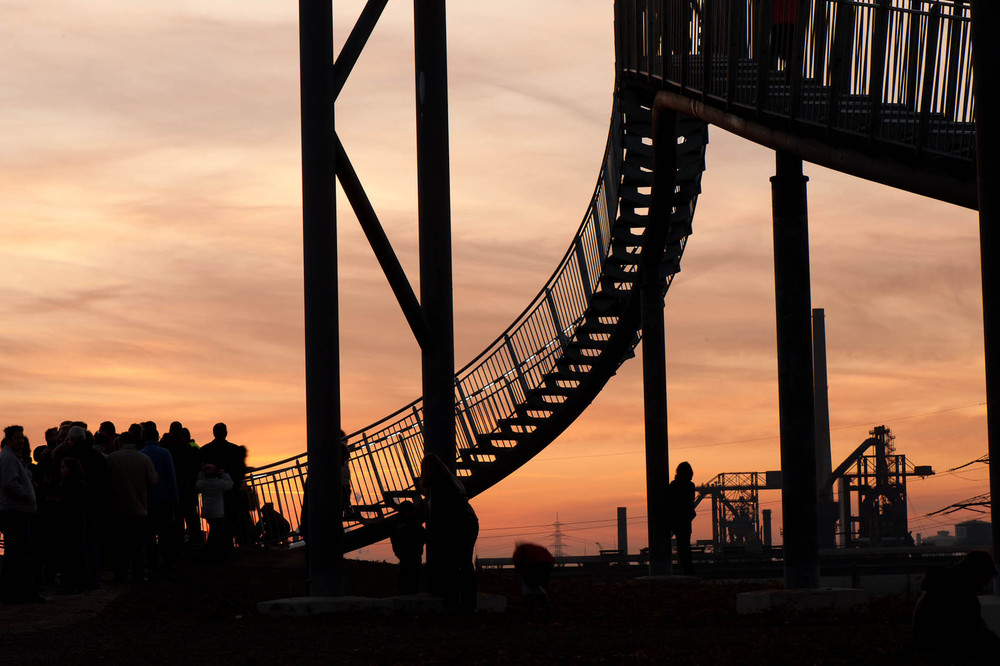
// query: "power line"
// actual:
[[523, 527], [762, 439]]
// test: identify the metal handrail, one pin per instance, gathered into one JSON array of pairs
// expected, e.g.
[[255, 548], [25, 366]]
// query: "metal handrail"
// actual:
[[894, 71]]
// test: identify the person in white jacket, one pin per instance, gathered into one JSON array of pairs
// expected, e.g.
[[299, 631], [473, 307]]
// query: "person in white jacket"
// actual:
[[212, 482], [17, 506]]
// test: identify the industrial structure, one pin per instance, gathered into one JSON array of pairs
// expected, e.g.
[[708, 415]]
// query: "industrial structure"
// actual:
[[870, 509], [880, 89]]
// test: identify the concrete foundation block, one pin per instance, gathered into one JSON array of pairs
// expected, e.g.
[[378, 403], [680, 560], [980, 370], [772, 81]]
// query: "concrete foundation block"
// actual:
[[491, 603], [302, 606], [408, 603], [416, 603], [800, 600], [991, 612], [670, 578]]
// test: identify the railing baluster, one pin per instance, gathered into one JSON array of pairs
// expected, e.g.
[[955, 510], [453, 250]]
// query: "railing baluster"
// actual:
[[555, 316], [581, 259], [707, 13], [735, 50], [764, 54], [374, 466], [463, 417], [877, 67], [930, 71], [954, 58], [516, 366]]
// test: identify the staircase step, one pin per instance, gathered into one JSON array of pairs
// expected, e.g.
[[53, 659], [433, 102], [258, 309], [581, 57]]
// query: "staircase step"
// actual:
[[525, 410], [625, 237], [605, 304], [538, 402], [477, 454], [473, 465], [633, 196], [489, 442], [586, 343], [594, 325], [565, 370], [556, 380], [617, 274], [635, 145], [636, 173]]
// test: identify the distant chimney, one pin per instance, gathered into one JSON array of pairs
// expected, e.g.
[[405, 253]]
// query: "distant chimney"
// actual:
[[821, 407]]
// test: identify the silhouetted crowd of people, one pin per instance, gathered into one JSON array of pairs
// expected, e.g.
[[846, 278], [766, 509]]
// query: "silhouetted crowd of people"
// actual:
[[85, 503]]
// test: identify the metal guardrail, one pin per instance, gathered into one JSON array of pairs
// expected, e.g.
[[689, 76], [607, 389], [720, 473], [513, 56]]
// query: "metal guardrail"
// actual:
[[896, 71], [385, 456]]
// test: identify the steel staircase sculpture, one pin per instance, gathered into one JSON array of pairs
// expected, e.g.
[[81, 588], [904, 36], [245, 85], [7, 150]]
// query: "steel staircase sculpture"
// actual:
[[521, 392], [905, 110]]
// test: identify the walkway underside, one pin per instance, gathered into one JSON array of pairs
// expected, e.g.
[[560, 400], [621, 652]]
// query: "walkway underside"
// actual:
[[877, 166]]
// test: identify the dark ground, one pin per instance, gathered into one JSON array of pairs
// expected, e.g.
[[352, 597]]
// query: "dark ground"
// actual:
[[202, 614]]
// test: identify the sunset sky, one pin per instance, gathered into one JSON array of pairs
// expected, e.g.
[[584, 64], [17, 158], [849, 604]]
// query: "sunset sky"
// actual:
[[151, 243]]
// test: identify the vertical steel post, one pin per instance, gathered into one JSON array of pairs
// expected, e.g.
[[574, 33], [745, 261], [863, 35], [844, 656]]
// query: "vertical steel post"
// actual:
[[824, 462], [434, 203], [654, 374], [985, 54], [322, 343], [795, 376]]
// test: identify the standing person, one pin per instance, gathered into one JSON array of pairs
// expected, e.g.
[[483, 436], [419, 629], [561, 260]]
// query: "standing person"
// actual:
[[162, 543], [534, 564], [187, 466], [232, 458], [453, 528], [17, 506], [71, 512], [408, 539], [948, 614], [95, 473], [213, 483], [680, 513], [783, 34], [132, 475]]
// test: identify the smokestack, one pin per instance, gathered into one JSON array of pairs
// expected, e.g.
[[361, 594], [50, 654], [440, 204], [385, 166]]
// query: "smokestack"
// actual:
[[623, 534], [824, 461], [767, 528]]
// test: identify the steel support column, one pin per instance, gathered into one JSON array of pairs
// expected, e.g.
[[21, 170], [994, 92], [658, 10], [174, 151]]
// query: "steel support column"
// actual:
[[434, 202], [322, 343], [654, 375], [795, 372], [985, 55]]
